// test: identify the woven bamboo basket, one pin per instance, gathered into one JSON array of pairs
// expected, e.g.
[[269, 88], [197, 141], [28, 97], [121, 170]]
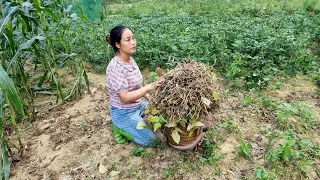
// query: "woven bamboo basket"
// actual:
[[187, 142]]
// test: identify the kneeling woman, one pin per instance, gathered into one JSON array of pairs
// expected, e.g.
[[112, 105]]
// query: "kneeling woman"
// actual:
[[124, 82]]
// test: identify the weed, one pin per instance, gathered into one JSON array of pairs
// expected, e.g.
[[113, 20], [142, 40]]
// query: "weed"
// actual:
[[265, 101], [277, 85], [298, 116], [263, 174], [293, 152], [210, 155], [169, 171], [244, 149], [248, 100], [138, 151], [231, 126], [158, 144]]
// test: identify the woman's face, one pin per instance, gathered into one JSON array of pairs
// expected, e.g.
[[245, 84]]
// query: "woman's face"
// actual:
[[127, 43]]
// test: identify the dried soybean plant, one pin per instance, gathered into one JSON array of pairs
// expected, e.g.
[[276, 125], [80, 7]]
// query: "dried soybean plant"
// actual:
[[187, 93]]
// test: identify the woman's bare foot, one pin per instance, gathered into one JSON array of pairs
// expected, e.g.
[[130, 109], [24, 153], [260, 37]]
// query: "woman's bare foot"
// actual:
[[162, 138], [208, 120]]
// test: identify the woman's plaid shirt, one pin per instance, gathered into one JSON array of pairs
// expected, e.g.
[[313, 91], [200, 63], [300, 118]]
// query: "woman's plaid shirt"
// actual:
[[123, 77]]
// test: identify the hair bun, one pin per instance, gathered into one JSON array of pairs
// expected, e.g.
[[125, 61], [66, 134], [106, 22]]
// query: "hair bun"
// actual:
[[108, 39]]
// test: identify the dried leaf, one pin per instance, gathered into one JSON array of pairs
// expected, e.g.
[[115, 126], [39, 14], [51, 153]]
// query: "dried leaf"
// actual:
[[171, 124], [190, 126], [114, 173], [150, 117], [154, 111], [155, 119], [198, 124], [206, 101], [102, 169], [141, 125], [175, 136]]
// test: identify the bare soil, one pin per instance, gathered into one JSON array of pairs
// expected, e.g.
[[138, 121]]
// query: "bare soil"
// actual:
[[72, 140]]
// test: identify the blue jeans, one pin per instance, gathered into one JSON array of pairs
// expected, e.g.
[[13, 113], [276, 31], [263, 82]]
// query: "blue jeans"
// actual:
[[127, 119]]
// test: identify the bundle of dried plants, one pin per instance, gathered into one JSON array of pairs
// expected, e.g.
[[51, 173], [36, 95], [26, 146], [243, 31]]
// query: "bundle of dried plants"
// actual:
[[184, 98]]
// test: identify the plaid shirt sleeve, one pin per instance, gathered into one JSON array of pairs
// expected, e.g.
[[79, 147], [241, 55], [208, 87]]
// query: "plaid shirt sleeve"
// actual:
[[116, 80]]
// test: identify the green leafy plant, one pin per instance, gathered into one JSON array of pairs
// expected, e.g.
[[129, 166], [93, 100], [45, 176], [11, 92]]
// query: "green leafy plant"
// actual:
[[9, 102], [153, 77], [210, 154], [298, 116], [297, 153], [138, 151], [38, 34], [263, 174], [244, 149]]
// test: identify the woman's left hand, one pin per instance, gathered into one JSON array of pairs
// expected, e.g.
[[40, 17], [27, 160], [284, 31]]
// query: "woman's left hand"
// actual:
[[155, 84]]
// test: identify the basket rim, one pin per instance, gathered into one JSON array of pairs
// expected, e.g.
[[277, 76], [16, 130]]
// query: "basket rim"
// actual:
[[189, 146]]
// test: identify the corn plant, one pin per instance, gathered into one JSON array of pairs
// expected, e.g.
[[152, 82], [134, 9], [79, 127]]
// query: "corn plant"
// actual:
[[9, 100], [37, 31]]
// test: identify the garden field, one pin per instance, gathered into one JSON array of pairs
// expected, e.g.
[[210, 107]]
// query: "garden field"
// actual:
[[55, 120]]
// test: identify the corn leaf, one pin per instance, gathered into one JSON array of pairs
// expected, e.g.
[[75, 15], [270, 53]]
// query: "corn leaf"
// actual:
[[46, 10], [1, 163], [8, 17], [82, 14], [6, 164], [26, 45], [7, 84], [2, 104]]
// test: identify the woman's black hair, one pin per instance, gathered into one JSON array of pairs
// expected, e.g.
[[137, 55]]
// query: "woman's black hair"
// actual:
[[115, 36]]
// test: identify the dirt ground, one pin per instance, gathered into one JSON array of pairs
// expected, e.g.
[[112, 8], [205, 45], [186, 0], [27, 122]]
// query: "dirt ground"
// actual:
[[73, 140]]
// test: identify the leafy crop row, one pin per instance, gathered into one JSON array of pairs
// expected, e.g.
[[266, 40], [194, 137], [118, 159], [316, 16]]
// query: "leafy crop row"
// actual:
[[250, 45]]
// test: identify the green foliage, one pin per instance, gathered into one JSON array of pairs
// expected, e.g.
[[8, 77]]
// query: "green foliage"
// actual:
[[153, 77], [249, 42], [244, 149], [231, 126], [263, 174], [295, 152], [298, 117], [316, 76], [169, 171], [9, 100], [138, 151], [247, 45], [248, 100], [210, 154]]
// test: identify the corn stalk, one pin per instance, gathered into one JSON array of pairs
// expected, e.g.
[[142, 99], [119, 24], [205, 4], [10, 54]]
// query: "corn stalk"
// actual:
[[9, 100], [32, 32]]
